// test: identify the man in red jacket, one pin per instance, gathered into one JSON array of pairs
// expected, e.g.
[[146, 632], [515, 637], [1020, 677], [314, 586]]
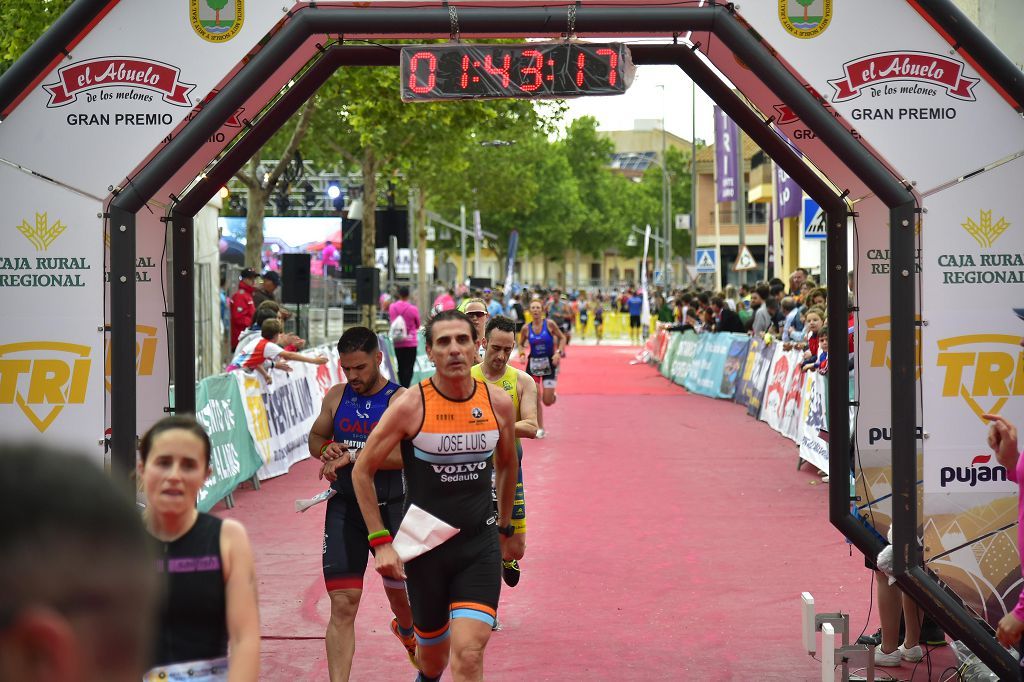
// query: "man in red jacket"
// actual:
[[243, 309]]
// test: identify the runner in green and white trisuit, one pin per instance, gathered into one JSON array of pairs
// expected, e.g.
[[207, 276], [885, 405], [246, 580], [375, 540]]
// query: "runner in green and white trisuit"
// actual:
[[499, 344]]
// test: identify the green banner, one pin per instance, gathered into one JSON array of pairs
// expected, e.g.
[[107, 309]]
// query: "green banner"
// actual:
[[233, 457], [424, 367], [686, 351], [670, 353]]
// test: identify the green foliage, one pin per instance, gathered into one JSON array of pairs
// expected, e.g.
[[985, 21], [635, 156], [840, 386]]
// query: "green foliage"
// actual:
[[23, 22], [216, 5]]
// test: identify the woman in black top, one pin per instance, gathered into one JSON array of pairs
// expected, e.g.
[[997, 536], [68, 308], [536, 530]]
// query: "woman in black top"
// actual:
[[209, 621]]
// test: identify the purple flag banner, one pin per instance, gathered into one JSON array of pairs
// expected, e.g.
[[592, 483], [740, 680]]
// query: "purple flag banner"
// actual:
[[727, 159], [787, 194]]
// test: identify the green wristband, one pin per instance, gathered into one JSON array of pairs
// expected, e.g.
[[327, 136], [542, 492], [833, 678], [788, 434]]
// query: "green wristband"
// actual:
[[378, 534]]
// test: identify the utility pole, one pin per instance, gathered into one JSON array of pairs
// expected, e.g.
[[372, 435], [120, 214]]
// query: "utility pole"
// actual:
[[693, 174], [462, 238], [741, 201], [477, 238], [666, 197]]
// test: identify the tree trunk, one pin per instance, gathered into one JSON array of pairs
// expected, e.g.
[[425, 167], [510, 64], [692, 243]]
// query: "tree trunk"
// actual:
[[255, 210], [218, 18], [423, 278], [369, 208]]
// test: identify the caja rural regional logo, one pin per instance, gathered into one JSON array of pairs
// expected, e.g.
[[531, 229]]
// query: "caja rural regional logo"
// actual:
[[216, 21], [985, 370], [42, 377], [805, 18], [42, 233], [985, 232]]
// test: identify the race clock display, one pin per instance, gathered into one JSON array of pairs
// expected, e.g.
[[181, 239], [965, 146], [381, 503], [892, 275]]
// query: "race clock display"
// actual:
[[530, 71]]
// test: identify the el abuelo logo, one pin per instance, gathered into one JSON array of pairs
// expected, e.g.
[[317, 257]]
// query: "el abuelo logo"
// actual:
[[135, 74], [981, 368], [216, 21], [43, 377], [922, 73], [805, 18]]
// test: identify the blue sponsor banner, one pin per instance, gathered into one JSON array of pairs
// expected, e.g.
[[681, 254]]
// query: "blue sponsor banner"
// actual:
[[734, 363], [704, 376]]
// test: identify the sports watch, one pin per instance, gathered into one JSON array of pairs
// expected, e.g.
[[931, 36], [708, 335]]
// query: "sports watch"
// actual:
[[507, 531]]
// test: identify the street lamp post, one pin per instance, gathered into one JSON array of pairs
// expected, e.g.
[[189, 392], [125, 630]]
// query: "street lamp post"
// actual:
[[666, 196]]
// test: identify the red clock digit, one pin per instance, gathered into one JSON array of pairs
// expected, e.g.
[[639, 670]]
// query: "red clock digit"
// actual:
[[534, 70], [506, 64], [580, 62], [613, 63], [431, 73], [464, 80]]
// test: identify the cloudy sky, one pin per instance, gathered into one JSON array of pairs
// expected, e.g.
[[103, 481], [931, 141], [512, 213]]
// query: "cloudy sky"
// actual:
[[645, 100]]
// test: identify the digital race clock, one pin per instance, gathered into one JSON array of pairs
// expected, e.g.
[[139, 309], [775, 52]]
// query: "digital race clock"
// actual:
[[532, 70]]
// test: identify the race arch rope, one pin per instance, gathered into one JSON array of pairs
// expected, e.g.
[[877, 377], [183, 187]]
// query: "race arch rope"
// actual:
[[111, 118]]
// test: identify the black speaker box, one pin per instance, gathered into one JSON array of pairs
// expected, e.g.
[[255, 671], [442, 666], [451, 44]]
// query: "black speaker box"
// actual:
[[367, 286], [295, 277]]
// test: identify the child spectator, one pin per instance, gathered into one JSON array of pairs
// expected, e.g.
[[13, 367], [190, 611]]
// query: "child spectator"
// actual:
[[263, 353], [814, 320]]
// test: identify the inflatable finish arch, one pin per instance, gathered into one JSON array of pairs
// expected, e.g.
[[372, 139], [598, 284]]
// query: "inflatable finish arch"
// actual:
[[111, 117]]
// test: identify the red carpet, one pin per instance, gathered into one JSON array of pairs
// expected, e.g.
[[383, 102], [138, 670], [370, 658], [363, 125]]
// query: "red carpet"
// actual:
[[670, 537]]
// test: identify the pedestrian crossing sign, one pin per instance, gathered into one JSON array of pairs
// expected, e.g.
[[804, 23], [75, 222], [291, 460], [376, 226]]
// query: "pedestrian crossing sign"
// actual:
[[707, 260], [745, 261]]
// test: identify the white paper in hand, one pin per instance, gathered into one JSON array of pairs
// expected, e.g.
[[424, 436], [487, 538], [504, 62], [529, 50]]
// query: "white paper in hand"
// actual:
[[420, 532]]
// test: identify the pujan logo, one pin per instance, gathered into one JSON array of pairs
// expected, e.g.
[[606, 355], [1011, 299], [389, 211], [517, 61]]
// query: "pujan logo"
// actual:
[[216, 21], [984, 231], [805, 18], [42, 234], [54, 373]]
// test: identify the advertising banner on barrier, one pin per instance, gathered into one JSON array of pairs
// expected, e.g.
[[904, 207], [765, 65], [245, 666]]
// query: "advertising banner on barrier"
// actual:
[[686, 351], [972, 292], [813, 420], [389, 363], [735, 360], [759, 378], [705, 373], [233, 458], [674, 338], [280, 415], [782, 393], [744, 386]]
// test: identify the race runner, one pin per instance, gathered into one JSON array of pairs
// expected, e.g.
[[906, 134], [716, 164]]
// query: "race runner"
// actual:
[[349, 413], [499, 344], [564, 316], [453, 430], [545, 341]]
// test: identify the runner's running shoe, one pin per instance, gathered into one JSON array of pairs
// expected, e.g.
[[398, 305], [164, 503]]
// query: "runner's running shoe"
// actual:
[[510, 572], [408, 642]]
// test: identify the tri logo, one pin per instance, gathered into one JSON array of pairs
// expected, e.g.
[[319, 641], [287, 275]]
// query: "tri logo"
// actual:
[[42, 377]]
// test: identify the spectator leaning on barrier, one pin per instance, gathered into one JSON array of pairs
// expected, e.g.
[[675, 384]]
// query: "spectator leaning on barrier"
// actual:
[[726, 319], [405, 347], [264, 353], [79, 593], [243, 308], [267, 289], [763, 316], [796, 280]]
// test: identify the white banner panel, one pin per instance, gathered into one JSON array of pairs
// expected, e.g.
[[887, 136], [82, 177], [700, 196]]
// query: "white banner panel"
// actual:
[[130, 81], [973, 250], [814, 420], [280, 415], [152, 288], [887, 72], [51, 287]]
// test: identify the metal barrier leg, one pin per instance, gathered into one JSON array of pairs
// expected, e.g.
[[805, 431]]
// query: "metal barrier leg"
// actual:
[[255, 480]]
